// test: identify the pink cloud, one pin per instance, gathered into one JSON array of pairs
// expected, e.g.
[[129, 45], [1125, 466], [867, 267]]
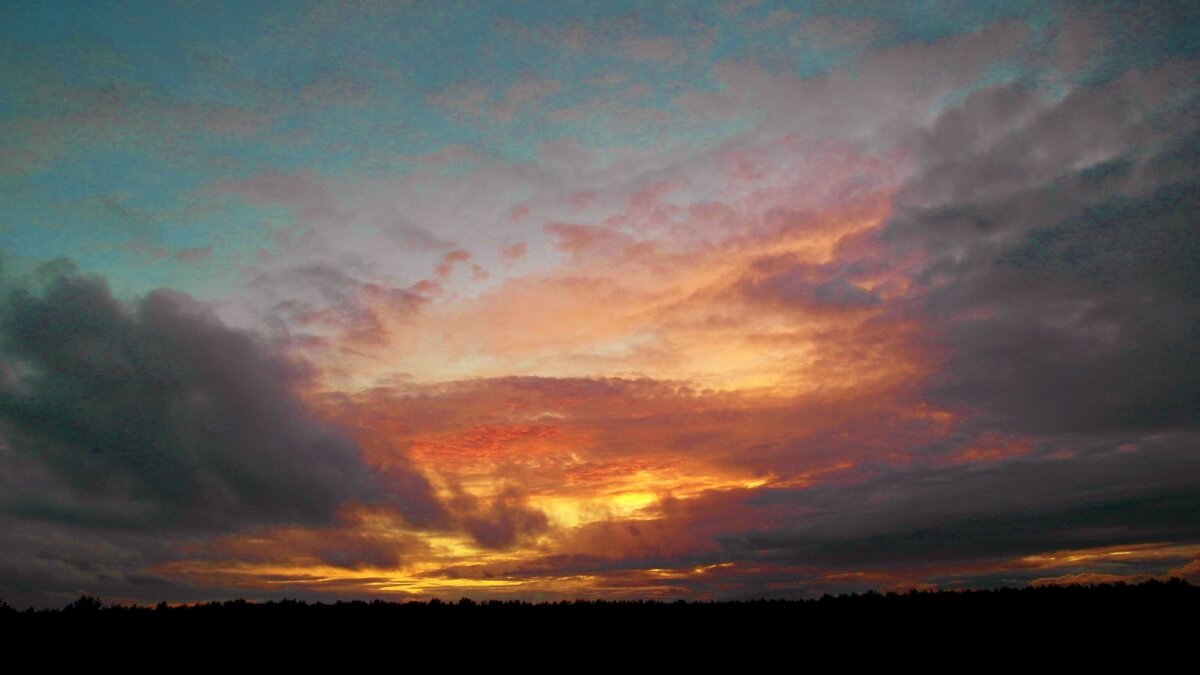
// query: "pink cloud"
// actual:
[[590, 239], [446, 266], [513, 252]]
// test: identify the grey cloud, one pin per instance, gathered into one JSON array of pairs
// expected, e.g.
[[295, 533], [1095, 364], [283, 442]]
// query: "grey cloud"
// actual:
[[1062, 245], [1110, 36], [790, 282], [504, 520], [49, 565], [877, 98], [157, 416], [918, 513]]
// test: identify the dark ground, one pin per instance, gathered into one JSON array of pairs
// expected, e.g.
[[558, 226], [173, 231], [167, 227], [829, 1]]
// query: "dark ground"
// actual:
[[1034, 614]]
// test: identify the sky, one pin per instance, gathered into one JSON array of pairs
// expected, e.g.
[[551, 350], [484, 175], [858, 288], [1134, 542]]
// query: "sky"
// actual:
[[546, 300]]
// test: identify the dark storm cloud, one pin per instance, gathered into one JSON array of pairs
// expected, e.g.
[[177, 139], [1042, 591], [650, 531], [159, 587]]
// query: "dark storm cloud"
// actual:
[[1063, 253], [1104, 492], [49, 564], [1115, 35], [158, 416], [503, 521]]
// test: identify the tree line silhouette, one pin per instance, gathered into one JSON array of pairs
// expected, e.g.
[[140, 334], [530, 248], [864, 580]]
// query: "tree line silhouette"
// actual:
[[1033, 605]]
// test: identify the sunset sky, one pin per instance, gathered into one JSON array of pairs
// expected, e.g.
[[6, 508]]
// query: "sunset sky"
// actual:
[[562, 299]]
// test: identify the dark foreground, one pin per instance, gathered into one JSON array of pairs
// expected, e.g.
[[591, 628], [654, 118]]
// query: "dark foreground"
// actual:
[[1042, 612]]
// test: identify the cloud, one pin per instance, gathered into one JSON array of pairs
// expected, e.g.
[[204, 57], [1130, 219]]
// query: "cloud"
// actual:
[[360, 538], [45, 564], [513, 252], [66, 118], [812, 287], [876, 100], [193, 256], [475, 103], [501, 521], [316, 300], [921, 317], [1060, 238], [157, 416], [957, 513], [1009, 521], [834, 32], [524, 94], [652, 49]]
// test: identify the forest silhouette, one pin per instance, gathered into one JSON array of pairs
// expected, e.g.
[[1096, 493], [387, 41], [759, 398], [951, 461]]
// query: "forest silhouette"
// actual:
[[1150, 606]]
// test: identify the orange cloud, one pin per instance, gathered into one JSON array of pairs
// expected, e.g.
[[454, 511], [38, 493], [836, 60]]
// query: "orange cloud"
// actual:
[[670, 376]]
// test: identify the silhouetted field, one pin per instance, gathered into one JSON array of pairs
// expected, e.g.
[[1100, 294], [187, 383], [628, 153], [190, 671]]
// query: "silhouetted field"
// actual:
[[1041, 613]]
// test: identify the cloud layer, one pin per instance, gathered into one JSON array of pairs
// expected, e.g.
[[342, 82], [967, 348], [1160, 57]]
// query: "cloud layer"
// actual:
[[760, 302], [158, 418]]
